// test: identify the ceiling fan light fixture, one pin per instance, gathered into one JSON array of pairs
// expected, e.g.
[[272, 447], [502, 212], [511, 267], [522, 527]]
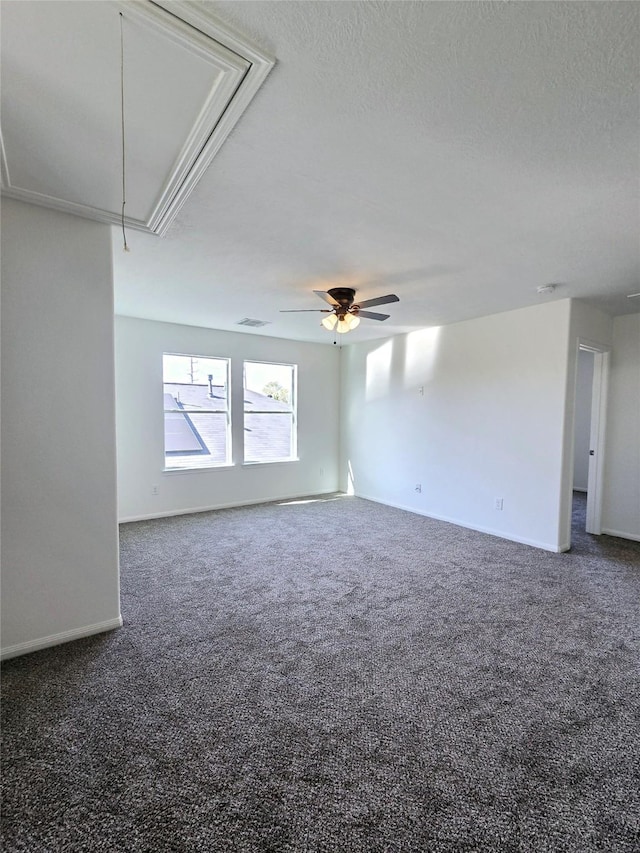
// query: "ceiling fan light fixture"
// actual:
[[347, 323], [344, 314]]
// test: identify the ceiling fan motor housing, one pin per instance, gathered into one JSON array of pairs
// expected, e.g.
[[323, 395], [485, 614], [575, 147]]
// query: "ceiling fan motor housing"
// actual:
[[344, 296]]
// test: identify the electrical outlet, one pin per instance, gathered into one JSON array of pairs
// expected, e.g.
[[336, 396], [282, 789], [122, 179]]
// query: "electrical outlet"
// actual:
[[154, 490], [419, 488], [421, 390], [499, 504]]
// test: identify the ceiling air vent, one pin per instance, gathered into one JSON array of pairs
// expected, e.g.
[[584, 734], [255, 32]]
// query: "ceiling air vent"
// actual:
[[253, 323]]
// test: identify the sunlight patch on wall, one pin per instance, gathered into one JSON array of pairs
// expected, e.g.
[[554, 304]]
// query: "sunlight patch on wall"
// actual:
[[421, 349], [350, 484], [378, 376]]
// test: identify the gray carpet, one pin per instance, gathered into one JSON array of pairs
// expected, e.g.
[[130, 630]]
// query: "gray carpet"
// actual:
[[337, 676]]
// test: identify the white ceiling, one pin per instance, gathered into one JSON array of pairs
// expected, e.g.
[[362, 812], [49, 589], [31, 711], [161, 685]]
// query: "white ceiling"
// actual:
[[458, 154]]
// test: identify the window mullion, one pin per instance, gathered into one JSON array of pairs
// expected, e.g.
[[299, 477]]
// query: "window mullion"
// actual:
[[236, 399]]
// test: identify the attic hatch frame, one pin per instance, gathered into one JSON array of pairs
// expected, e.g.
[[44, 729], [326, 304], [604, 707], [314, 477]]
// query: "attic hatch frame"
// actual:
[[243, 68]]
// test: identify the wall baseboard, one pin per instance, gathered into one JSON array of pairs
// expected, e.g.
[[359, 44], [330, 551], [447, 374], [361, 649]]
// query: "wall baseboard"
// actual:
[[57, 639], [634, 537], [230, 505], [545, 546], [576, 489]]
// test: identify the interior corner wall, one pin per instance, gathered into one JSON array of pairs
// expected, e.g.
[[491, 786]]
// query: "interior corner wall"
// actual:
[[584, 388], [59, 525], [140, 422], [621, 500], [469, 412]]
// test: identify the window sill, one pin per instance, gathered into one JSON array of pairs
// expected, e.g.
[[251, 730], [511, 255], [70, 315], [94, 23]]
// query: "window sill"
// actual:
[[270, 462], [201, 469], [204, 469]]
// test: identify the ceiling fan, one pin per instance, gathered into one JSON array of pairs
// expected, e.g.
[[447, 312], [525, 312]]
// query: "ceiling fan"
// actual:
[[345, 313]]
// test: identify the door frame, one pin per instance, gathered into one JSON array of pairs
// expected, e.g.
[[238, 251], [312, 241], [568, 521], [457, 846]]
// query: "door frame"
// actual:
[[597, 434]]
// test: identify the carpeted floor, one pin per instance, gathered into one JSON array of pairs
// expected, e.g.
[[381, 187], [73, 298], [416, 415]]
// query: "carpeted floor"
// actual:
[[337, 676]]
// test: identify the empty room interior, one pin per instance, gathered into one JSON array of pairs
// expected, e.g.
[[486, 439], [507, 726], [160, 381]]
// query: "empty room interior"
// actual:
[[320, 426]]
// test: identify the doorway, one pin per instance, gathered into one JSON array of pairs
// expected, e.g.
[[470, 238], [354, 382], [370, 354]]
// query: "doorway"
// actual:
[[592, 373], [582, 438]]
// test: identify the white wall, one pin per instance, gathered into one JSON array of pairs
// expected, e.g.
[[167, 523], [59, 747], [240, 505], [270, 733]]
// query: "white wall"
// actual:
[[621, 512], [584, 387], [488, 422], [140, 423], [59, 526]]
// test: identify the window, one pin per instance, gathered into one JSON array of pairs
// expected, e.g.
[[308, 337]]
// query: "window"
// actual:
[[197, 418], [269, 412]]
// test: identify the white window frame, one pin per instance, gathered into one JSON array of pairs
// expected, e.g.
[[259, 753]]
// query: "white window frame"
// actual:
[[293, 457], [177, 469]]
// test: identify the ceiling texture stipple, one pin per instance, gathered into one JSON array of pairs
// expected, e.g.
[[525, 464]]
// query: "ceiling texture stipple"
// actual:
[[458, 154]]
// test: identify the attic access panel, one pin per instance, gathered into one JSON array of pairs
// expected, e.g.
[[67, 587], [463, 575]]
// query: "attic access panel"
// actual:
[[187, 82]]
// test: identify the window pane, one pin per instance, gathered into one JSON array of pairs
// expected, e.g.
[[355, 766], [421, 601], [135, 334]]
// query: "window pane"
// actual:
[[269, 412], [179, 434], [196, 411], [267, 437], [270, 380]]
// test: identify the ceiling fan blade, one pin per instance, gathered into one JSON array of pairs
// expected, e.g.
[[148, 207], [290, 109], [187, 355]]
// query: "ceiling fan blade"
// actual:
[[326, 297], [379, 300], [304, 310], [371, 315]]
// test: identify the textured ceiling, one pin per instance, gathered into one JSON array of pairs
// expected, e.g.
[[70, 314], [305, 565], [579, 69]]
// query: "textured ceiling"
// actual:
[[459, 154]]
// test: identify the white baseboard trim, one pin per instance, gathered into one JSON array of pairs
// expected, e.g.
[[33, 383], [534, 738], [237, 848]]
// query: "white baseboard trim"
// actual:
[[57, 639], [634, 537], [576, 489], [545, 546], [171, 512]]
